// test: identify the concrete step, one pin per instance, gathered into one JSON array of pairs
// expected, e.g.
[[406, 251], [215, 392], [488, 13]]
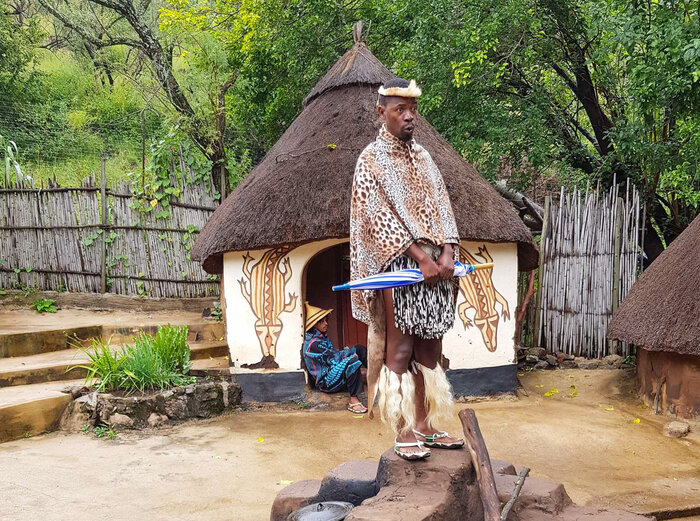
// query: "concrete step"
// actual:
[[28, 410], [60, 365], [14, 343]]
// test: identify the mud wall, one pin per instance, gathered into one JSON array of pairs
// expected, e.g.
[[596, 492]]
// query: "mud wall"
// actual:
[[678, 378]]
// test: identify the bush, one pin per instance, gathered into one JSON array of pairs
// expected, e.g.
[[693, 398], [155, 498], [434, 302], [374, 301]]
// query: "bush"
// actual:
[[151, 363], [44, 305]]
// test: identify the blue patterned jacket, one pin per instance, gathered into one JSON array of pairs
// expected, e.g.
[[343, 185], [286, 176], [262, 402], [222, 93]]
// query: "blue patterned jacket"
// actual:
[[329, 367]]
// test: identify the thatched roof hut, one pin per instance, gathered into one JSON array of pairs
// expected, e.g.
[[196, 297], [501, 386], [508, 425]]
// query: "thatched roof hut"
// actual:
[[300, 192], [662, 310], [661, 316]]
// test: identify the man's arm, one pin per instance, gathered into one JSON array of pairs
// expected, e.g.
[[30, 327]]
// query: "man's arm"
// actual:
[[428, 267]]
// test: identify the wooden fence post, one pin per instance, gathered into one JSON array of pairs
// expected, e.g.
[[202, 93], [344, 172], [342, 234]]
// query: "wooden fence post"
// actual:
[[614, 348], [537, 336], [104, 221]]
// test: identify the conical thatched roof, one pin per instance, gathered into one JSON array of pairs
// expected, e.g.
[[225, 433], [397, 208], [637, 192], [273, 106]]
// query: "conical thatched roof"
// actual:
[[300, 192], [662, 310]]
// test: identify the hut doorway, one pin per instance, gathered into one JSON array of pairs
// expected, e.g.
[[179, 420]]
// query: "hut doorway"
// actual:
[[326, 269]]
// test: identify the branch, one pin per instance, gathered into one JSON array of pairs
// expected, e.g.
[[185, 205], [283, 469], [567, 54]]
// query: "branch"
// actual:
[[84, 34], [565, 76]]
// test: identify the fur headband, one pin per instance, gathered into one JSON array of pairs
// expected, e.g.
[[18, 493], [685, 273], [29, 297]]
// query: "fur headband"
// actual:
[[412, 91]]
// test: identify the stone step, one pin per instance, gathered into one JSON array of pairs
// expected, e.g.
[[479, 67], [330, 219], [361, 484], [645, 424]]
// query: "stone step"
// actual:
[[60, 365], [28, 410], [17, 343]]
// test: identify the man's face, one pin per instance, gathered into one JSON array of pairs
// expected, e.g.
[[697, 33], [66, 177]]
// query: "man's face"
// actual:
[[322, 325], [399, 116]]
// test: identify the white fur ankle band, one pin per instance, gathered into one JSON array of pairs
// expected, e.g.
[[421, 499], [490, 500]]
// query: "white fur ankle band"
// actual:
[[439, 402], [397, 402]]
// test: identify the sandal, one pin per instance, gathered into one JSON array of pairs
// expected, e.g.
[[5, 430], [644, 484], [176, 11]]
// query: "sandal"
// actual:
[[433, 440], [410, 456], [357, 408]]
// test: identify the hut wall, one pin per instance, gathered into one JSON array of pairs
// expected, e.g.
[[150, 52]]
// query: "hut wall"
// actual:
[[264, 291], [264, 302], [676, 375], [485, 316]]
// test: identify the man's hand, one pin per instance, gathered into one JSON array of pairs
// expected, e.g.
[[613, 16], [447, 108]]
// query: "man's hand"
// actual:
[[446, 263], [430, 271]]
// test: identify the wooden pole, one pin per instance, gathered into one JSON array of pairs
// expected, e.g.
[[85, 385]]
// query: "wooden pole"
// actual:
[[482, 465], [516, 492], [104, 221], [614, 348], [543, 238]]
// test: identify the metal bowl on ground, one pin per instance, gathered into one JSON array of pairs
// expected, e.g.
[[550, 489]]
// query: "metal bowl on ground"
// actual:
[[326, 511]]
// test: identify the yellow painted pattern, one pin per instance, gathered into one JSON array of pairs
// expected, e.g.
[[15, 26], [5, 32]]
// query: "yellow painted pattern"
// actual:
[[481, 295], [263, 286]]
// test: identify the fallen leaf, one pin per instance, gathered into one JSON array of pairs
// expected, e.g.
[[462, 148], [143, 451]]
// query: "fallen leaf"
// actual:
[[260, 440], [521, 374], [675, 479], [574, 394], [571, 376], [539, 385], [285, 482], [642, 406], [636, 420], [358, 417], [554, 390], [548, 394], [609, 408]]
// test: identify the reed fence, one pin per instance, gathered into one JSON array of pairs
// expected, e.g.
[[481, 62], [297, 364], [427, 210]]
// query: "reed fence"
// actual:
[[94, 239], [589, 259]]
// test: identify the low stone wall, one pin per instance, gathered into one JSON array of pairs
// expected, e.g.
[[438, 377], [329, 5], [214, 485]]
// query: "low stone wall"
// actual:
[[202, 399]]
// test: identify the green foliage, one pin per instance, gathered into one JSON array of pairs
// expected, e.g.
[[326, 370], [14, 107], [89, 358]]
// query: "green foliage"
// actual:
[[44, 305], [105, 432], [217, 313], [153, 362]]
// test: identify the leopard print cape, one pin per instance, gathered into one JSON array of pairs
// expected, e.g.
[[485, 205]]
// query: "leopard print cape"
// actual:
[[398, 197]]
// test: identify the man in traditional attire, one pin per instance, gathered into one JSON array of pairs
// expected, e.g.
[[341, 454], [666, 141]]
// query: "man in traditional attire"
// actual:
[[401, 217], [332, 370]]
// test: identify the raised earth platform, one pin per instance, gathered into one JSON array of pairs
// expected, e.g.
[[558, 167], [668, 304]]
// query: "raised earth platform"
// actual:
[[39, 353], [440, 488]]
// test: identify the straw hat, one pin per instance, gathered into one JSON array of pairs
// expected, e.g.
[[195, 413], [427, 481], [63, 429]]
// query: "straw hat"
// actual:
[[314, 314]]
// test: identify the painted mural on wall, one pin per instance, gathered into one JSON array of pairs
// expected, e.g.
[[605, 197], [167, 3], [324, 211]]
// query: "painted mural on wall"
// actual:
[[481, 295], [264, 287]]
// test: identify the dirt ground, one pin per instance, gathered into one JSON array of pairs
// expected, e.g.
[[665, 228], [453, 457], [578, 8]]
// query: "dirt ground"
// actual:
[[232, 467]]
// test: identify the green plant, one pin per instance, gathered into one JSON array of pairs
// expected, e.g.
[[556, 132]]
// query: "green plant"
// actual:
[[217, 313], [104, 432], [106, 366], [153, 362], [85, 428], [44, 305]]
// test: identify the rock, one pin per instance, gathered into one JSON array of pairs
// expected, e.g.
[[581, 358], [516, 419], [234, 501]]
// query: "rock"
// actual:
[[541, 494], [612, 361], [352, 481], [539, 352], [156, 420], [176, 408], [564, 356], [676, 429], [568, 364], [552, 360], [578, 513], [585, 363], [120, 420], [532, 359], [294, 497], [502, 467], [441, 487], [542, 365]]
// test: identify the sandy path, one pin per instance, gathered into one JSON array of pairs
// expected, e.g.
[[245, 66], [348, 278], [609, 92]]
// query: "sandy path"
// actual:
[[218, 470]]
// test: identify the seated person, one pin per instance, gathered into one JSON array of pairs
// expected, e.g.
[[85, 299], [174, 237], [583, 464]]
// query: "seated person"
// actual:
[[332, 370]]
